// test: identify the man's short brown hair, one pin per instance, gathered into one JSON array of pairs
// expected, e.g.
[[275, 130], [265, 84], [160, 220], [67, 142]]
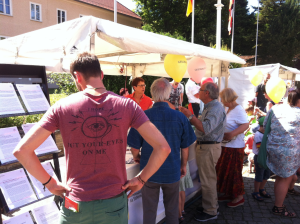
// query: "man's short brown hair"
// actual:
[[136, 81], [86, 63]]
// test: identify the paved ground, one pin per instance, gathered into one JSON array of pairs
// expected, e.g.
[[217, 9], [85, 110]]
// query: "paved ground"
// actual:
[[253, 212]]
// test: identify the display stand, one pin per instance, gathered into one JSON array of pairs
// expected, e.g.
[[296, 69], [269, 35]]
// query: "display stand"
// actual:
[[21, 74]]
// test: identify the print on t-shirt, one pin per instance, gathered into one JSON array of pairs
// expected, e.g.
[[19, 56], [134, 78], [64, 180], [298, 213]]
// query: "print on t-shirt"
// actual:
[[96, 128]]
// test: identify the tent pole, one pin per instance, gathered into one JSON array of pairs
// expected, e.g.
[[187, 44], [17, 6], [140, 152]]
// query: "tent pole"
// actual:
[[226, 77], [220, 76], [115, 11]]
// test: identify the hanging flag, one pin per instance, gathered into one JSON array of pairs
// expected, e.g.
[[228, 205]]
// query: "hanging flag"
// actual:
[[189, 8], [230, 16]]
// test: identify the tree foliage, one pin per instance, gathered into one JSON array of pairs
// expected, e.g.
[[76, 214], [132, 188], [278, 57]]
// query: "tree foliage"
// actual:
[[279, 31], [169, 16]]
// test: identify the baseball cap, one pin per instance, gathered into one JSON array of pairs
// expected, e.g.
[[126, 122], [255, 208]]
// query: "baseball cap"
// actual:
[[261, 121]]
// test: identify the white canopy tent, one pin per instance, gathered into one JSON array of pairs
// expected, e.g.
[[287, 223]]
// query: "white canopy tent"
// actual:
[[138, 52], [239, 79]]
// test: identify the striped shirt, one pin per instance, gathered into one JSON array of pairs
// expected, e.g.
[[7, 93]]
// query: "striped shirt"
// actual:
[[213, 119]]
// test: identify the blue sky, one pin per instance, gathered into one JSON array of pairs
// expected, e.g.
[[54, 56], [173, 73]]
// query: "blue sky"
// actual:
[[131, 5]]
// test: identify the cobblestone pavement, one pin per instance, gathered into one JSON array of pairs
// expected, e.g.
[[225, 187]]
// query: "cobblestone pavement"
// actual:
[[253, 212]]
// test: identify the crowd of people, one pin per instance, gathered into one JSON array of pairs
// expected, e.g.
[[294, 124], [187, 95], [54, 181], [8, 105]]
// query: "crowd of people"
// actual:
[[160, 134]]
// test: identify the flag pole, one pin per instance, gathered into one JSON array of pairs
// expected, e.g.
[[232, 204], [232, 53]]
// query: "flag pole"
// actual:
[[256, 32], [193, 20], [219, 6], [232, 37]]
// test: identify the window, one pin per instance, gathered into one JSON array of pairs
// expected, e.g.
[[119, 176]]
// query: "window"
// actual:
[[35, 12], [2, 38], [5, 7], [61, 16]]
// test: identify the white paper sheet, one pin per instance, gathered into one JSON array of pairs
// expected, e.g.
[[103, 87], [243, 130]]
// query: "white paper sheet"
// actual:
[[24, 218], [9, 101], [47, 146], [47, 214], [9, 138], [16, 188], [38, 186], [33, 97]]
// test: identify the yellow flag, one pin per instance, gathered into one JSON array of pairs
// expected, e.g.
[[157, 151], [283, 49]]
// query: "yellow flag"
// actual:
[[189, 8]]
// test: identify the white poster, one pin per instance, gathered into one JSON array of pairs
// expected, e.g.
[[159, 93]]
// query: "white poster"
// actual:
[[24, 218], [9, 101], [33, 97], [9, 139]]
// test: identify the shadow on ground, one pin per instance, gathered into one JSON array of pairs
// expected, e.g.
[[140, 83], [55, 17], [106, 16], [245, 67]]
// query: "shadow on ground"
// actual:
[[252, 212]]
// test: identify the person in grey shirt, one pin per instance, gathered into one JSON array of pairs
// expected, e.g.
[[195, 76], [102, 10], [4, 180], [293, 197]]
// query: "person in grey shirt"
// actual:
[[209, 132]]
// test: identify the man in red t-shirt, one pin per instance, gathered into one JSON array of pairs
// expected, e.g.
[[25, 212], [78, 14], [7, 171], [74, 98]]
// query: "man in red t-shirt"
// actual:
[[94, 124], [138, 95]]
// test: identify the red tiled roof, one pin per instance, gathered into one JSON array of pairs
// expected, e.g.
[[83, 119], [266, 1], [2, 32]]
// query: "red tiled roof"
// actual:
[[109, 5]]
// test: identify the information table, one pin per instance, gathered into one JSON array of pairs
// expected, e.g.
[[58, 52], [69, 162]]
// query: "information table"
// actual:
[[135, 207]]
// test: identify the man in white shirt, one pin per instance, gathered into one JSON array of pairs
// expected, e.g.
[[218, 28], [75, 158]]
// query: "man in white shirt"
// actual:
[[192, 91]]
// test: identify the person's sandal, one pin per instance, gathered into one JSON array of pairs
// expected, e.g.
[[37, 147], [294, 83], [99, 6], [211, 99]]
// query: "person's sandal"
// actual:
[[293, 192], [282, 211], [265, 195], [256, 196]]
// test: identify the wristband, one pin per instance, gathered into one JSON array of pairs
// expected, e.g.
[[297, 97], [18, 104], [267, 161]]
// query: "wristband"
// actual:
[[140, 179], [47, 183]]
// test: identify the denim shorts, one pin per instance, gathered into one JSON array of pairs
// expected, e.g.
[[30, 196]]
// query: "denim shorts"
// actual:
[[106, 211], [260, 173]]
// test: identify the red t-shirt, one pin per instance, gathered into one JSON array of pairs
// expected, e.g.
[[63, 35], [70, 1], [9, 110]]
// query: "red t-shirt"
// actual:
[[249, 141], [95, 138], [145, 101]]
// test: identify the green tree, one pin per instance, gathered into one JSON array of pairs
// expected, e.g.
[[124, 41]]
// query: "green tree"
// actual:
[[279, 32], [169, 16]]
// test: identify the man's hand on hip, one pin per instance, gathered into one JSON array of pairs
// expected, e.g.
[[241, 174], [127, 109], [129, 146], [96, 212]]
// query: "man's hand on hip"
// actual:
[[57, 188], [132, 185]]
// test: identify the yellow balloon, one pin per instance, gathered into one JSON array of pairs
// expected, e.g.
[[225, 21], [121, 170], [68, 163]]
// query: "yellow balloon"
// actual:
[[257, 78], [175, 66], [276, 89]]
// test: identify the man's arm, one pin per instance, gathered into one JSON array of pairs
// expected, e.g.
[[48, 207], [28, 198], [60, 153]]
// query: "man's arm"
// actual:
[[184, 160], [181, 99], [194, 121], [161, 151], [24, 152], [136, 155]]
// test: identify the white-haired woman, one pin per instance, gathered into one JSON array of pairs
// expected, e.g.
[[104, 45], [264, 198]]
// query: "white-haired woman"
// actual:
[[230, 164]]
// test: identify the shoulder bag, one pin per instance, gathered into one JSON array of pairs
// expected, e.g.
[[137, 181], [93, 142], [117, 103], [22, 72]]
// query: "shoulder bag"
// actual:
[[262, 154]]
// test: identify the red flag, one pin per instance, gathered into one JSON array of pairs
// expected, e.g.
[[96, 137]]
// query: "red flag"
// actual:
[[189, 8], [230, 16]]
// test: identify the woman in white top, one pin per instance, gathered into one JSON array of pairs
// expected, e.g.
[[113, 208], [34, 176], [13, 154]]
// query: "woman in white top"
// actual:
[[230, 165]]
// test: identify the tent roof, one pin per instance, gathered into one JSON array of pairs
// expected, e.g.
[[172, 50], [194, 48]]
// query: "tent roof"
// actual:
[[113, 43], [277, 69]]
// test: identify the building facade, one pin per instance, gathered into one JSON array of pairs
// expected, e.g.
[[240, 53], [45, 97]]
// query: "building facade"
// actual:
[[22, 16]]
